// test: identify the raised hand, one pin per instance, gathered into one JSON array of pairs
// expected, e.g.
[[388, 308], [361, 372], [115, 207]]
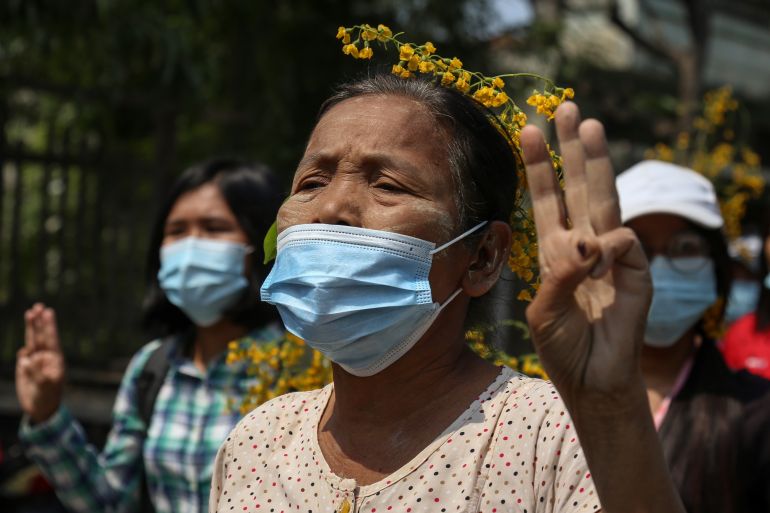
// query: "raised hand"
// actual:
[[587, 319], [40, 365]]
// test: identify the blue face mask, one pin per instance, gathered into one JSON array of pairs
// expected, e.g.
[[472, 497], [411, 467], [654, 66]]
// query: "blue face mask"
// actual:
[[203, 277], [679, 299], [743, 299], [361, 297]]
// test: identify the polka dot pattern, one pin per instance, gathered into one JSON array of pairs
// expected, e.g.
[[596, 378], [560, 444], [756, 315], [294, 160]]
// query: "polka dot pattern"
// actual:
[[513, 450]]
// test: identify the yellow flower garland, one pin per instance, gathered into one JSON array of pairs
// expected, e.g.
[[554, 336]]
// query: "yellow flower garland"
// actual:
[[414, 59]]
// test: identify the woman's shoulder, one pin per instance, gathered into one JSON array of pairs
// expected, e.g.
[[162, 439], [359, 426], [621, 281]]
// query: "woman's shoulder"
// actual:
[[535, 397], [281, 414]]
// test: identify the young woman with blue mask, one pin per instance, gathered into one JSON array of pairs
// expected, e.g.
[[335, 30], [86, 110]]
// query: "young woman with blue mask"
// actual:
[[204, 273], [397, 223], [716, 451]]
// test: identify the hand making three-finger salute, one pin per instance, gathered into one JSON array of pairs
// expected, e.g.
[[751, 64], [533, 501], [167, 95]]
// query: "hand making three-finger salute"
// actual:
[[587, 319], [40, 365]]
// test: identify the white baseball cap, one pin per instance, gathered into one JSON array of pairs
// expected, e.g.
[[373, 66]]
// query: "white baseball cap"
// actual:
[[656, 187]]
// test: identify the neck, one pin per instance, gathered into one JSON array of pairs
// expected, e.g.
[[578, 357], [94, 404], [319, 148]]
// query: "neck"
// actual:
[[440, 364], [211, 341], [661, 365]]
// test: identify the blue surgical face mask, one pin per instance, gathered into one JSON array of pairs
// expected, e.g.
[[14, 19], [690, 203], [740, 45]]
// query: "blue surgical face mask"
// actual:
[[361, 297], [744, 295], [203, 277], [679, 299]]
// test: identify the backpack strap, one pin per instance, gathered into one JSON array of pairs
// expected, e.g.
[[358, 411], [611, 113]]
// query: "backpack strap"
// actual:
[[151, 379], [148, 385]]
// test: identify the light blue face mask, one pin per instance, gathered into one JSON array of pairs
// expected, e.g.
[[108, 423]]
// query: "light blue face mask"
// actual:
[[203, 277], [744, 295], [678, 299], [361, 297]]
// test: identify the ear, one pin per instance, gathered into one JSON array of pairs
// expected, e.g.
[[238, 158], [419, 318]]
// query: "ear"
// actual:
[[488, 261]]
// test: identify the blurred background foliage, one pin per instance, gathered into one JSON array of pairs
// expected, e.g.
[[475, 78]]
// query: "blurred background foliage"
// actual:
[[104, 102]]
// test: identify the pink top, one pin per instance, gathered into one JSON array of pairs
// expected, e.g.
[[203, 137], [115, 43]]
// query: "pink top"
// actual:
[[681, 379]]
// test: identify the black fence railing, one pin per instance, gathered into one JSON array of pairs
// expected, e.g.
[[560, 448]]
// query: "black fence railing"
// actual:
[[74, 216]]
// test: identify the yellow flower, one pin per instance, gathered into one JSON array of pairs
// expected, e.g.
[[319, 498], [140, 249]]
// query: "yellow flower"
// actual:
[[524, 295], [383, 33], [483, 94], [498, 82], [406, 52], [455, 63], [500, 99], [462, 85], [430, 48], [365, 53], [406, 74], [414, 63], [346, 39], [368, 33], [341, 32], [427, 67], [350, 49], [397, 69], [567, 94], [447, 78]]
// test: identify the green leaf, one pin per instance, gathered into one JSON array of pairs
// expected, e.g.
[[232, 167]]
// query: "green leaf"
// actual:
[[270, 244]]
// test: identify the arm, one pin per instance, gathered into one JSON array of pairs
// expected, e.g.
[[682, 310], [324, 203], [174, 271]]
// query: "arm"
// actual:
[[588, 318], [83, 479]]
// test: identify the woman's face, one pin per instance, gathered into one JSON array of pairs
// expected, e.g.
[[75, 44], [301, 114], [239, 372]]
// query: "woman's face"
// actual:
[[202, 213], [380, 162]]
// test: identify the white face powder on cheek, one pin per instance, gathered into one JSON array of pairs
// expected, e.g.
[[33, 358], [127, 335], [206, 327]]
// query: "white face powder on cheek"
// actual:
[[440, 224]]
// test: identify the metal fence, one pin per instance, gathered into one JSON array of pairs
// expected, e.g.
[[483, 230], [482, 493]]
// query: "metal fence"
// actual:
[[74, 215]]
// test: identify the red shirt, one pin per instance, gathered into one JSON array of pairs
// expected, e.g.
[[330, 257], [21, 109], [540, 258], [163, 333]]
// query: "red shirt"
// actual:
[[746, 348]]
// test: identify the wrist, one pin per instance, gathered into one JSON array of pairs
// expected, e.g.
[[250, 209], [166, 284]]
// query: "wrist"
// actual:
[[43, 414], [611, 404]]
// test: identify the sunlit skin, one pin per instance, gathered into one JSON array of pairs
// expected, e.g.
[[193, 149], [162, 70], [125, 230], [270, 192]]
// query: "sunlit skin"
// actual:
[[40, 367], [661, 365], [393, 175]]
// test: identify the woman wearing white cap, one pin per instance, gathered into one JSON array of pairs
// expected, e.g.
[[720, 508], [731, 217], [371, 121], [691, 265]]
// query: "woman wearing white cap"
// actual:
[[713, 425]]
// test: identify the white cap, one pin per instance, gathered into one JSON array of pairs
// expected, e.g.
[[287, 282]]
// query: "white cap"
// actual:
[[656, 187]]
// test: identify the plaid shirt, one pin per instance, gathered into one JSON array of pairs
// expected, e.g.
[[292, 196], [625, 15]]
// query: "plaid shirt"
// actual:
[[192, 417]]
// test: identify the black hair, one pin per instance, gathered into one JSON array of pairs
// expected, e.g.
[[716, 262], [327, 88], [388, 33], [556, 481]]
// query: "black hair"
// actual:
[[252, 192], [480, 156]]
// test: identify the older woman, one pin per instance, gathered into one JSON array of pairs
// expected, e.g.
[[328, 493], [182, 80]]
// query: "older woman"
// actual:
[[396, 224]]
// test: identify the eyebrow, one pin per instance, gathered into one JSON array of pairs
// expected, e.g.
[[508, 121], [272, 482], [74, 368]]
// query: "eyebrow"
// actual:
[[312, 158], [381, 159]]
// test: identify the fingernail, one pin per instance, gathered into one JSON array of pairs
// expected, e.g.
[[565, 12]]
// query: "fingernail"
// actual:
[[582, 249]]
